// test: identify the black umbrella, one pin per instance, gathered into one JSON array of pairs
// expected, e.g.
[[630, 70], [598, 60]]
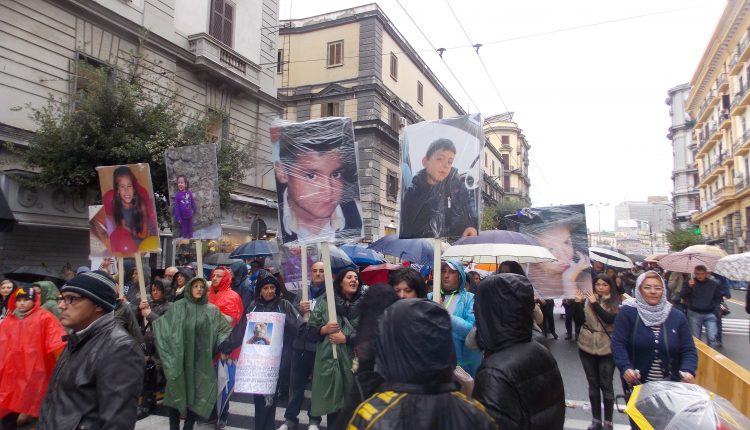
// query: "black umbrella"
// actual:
[[33, 274], [220, 259]]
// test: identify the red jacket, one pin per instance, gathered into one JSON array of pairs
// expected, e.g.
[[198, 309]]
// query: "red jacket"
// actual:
[[227, 300], [29, 348]]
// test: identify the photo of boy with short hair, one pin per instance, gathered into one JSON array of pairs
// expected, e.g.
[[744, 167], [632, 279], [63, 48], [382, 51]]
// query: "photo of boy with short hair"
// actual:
[[316, 182]]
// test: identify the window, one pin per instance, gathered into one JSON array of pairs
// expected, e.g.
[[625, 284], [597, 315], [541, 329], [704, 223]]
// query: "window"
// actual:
[[218, 126], [420, 93], [330, 109], [391, 185], [280, 61], [493, 168], [222, 17], [485, 160], [395, 123], [88, 70], [505, 140], [440, 111], [335, 53], [394, 66], [506, 163]]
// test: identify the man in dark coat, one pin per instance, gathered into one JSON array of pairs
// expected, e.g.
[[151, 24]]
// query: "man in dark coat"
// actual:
[[702, 296], [98, 377], [518, 382], [416, 357]]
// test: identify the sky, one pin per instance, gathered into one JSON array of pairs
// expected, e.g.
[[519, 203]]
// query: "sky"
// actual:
[[587, 80]]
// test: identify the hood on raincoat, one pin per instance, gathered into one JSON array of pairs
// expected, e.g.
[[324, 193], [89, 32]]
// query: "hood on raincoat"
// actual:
[[49, 291], [504, 309], [12, 300], [457, 266], [226, 281], [189, 290], [415, 344], [239, 274]]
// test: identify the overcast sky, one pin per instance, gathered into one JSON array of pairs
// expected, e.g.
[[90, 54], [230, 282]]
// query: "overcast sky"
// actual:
[[587, 81]]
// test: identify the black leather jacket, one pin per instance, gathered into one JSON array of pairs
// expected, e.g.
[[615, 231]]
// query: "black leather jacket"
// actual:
[[96, 382]]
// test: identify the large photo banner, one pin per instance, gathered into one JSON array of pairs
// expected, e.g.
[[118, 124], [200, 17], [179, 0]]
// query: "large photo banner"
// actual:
[[317, 183], [130, 213], [440, 178], [260, 356], [562, 230], [193, 181]]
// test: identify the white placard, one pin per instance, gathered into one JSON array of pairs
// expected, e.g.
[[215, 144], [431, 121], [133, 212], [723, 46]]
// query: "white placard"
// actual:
[[260, 356]]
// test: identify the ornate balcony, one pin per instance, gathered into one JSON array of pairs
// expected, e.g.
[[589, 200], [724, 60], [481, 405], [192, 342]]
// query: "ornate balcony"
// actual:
[[222, 61]]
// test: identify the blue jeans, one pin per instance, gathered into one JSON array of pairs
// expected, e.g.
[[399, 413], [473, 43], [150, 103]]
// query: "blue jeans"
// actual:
[[303, 363], [698, 320]]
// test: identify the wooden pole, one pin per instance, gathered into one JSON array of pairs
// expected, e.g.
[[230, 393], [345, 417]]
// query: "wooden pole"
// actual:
[[303, 267], [436, 271], [120, 277], [329, 290], [141, 281], [199, 257]]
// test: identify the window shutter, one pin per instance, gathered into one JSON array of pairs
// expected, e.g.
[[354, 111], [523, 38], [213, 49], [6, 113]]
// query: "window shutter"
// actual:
[[215, 26], [228, 17], [338, 53]]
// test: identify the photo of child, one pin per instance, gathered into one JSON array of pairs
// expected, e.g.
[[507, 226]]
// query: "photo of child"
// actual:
[[193, 182], [129, 208], [261, 333], [184, 207], [316, 181], [442, 199]]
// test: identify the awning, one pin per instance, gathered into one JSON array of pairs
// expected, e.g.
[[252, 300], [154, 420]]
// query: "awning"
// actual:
[[7, 220]]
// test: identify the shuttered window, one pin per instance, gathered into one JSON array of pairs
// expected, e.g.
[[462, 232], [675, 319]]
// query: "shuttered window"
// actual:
[[222, 17], [335, 53]]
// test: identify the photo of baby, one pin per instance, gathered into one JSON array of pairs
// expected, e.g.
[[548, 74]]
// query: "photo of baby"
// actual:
[[442, 198], [261, 333], [316, 181]]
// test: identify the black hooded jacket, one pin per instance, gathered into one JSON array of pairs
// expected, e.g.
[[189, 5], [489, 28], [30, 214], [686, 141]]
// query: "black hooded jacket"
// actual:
[[293, 322], [241, 283], [518, 382], [416, 357]]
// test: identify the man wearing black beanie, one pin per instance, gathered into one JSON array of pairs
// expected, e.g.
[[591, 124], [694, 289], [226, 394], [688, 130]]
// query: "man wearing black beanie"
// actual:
[[98, 377]]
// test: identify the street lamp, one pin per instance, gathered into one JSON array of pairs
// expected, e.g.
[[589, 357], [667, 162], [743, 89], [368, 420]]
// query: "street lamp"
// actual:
[[598, 207]]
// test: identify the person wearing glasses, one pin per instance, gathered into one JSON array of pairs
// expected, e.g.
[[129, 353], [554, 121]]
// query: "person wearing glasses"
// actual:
[[98, 377]]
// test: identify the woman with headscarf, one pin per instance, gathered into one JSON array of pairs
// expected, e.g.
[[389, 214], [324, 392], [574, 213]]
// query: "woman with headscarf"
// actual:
[[416, 358], [596, 315], [333, 377], [651, 339], [267, 299], [187, 338]]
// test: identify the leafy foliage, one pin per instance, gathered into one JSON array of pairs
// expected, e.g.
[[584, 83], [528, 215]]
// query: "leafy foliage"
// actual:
[[681, 238], [493, 217], [122, 117]]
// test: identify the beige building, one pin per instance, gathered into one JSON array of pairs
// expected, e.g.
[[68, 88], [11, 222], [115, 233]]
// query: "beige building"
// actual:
[[355, 63], [718, 103], [504, 136], [211, 51]]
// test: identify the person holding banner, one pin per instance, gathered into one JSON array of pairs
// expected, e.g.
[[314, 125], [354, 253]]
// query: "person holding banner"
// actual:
[[267, 299], [187, 337], [332, 378]]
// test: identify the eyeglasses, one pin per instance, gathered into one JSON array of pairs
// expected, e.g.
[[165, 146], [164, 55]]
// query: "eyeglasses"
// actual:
[[69, 300]]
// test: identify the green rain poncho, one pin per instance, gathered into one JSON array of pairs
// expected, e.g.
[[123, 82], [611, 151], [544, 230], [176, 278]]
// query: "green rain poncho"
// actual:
[[49, 296], [187, 337], [333, 378]]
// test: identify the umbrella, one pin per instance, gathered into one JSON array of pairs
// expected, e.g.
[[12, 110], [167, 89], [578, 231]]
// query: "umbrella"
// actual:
[[653, 258], [676, 405], [496, 246], [339, 260], [360, 254], [225, 372], [685, 262], [252, 249], [636, 257], [33, 273], [610, 258], [374, 274], [707, 249], [735, 267], [417, 251], [220, 259]]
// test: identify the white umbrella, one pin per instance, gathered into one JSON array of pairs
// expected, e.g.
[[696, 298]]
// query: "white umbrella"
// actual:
[[685, 262], [610, 258], [735, 267], [496, 246]]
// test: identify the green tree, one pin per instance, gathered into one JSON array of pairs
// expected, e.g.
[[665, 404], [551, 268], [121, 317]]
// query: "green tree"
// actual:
[[493, 217], [681, 238], [122, 116]]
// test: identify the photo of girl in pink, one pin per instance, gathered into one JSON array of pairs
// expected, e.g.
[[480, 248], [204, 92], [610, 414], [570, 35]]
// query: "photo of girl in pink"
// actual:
[[130, 211], [184, 207]]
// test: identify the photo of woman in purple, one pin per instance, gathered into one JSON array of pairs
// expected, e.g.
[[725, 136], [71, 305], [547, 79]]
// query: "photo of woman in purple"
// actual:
[[184, 207]]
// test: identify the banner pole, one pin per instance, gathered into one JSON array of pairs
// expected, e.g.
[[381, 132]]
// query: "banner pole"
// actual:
[[199, 257], [305, 289], [141, 280], [329, 290], [436, 271], [120, 277]]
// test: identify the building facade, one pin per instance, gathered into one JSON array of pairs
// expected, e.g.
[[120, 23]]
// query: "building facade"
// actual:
[[645, 221], [220, 55], [355, 63], [684, 174], [504, 135], [718, 102]]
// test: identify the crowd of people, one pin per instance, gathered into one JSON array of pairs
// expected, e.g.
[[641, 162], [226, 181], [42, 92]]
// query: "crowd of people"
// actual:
[[82, 357]]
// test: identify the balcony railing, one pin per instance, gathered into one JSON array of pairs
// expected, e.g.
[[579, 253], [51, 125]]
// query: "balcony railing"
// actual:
[[221, 60]]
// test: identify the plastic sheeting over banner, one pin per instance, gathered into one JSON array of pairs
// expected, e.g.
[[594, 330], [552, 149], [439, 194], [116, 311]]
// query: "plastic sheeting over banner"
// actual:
[[441, 178], [260, 356], [562, 230], [128, 199], [317, 183], [193, 182]]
